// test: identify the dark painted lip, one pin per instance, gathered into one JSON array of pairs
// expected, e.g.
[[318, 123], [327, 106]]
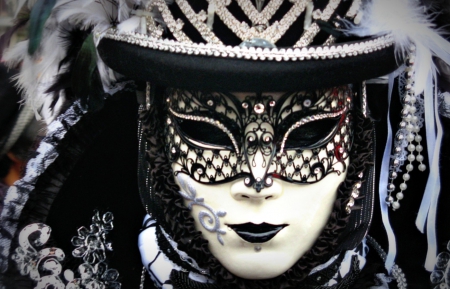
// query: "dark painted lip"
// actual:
[[256, 233]]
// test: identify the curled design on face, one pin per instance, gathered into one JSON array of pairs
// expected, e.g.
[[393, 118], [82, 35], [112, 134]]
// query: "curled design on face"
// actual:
[[297, 137]]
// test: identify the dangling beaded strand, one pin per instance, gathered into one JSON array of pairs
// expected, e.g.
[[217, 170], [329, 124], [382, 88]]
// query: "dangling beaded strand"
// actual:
[[407, 137]]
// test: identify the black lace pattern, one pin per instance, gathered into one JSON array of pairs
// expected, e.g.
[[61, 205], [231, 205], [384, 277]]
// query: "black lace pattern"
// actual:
[[216, 137]]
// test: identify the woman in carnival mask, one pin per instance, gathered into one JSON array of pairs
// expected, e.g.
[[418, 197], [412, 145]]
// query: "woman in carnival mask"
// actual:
[[256, 164]]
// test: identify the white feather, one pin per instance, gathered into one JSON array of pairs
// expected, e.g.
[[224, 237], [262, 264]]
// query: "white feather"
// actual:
[[130, 25], [406, 21]]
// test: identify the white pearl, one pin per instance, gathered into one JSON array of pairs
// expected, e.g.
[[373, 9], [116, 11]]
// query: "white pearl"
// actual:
[[403, 186], [409, 167], [414, 118], [412, 109], [410, 137], [409, 127], [399, 196], [422, 167], [411, 157], [413, 99], [395, 205], [419, 158], [408, 118], [419, 148], [406, 177], [407, 98], [418, 138], [416, 128], [411, 147]]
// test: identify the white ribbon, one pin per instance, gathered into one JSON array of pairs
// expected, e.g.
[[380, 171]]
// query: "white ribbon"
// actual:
[[384, 179]]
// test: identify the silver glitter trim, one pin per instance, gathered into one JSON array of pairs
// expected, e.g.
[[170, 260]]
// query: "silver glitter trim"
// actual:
[[306, 120], [211, 121], [364, 100], [264, 54], [189, 193]]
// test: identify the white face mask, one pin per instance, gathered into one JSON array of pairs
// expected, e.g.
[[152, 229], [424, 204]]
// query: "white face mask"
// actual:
[[266, 212]]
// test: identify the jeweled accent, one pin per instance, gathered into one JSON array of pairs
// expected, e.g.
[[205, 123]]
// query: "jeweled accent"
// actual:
[[45, 268], [354, 195], [259, 108]]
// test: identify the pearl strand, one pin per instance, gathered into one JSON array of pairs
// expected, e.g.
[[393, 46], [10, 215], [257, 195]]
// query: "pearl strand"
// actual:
[[408, 136]]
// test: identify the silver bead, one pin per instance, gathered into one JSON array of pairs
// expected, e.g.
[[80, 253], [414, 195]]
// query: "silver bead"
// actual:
[[391, 187], [272, 103], [307, 103], [389, 199], [247, 181], [244, 105], [393, 175], [210, 102]]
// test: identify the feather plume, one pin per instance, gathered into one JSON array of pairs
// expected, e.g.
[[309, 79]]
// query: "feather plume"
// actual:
[[406, 21], [39, 15], [5, 39], [47, 77]]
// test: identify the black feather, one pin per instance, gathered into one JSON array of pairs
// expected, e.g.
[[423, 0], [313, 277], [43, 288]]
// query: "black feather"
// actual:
[[72, 40], [86, 82], [38, 17]]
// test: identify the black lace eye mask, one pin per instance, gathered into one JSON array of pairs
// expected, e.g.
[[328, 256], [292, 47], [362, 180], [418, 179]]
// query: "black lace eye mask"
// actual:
[[297, 137]]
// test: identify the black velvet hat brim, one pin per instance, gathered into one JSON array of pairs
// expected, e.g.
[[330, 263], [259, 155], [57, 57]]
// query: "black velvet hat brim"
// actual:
[[229, 74]]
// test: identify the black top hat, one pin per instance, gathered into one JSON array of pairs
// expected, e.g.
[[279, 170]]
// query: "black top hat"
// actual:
[[285, 46]]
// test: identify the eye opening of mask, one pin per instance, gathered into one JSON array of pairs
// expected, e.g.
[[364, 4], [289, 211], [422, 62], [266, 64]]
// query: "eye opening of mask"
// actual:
[[313, 134], [203, 132]]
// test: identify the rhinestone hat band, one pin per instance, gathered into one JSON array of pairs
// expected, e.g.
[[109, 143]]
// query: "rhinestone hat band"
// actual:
[[265, 54]]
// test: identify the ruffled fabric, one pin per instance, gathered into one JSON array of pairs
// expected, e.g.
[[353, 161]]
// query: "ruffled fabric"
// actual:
[[167, 207]]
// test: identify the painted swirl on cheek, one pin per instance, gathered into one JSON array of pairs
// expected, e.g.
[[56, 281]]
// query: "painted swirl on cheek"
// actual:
[[209, 219]]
